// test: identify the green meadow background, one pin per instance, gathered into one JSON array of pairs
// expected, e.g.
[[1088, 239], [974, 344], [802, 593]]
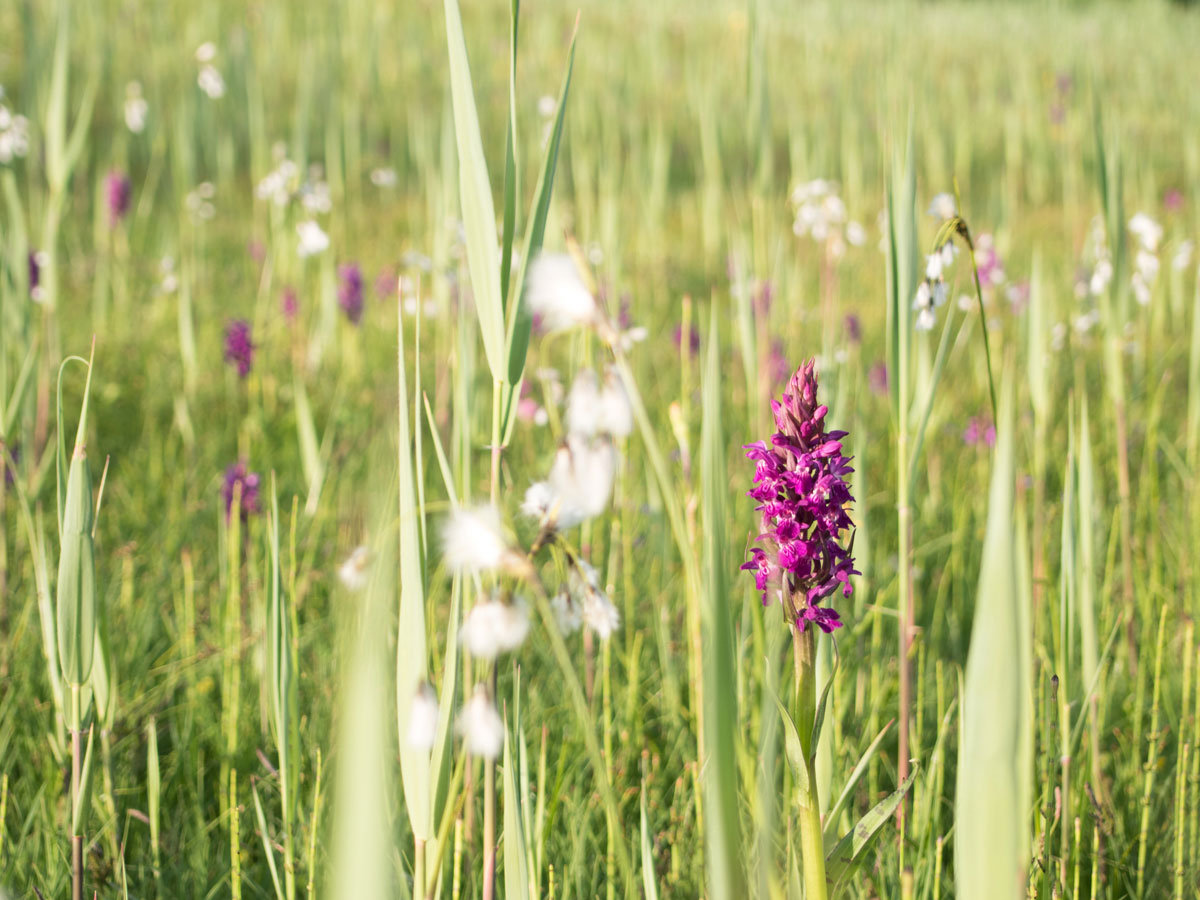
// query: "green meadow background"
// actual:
[[247, 739]]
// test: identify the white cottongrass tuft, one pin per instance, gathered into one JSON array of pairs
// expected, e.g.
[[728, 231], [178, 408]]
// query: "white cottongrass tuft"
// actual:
[[480, 726], [312, 239], [473, 541], [355, 572], [1146, 230], [14, 135], [599, 613], [595, 409], [494, 627], [136, 107], [423, 718], [579, 485], [567, 612], [943, 207], [556, 294], [211, 82]]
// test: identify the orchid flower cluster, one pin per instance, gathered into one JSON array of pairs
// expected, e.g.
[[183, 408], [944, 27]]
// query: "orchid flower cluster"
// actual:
[[578, 487], [800, 484]]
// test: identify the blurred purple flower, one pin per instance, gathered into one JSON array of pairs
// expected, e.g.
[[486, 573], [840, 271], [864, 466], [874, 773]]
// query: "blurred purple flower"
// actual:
[[693, 344], [987, 261], [853, 328], [350, 292], [35, 273], [625, 313], [386, 283], [800, 483], [239, 475], [13, 450], [239, 349], [118, 191], [763, 298], [1173, 200], [257, 251], [777, 363], [979, 431], [877, 379], [289, 304]]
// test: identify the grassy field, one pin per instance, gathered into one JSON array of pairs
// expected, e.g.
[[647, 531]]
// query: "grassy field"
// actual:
[[288, 620]]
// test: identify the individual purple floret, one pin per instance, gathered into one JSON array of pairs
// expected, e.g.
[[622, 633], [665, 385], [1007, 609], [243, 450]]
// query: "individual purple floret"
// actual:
[[119, 193], [800, 483], [239, 474], [350, 291], [239, 349]]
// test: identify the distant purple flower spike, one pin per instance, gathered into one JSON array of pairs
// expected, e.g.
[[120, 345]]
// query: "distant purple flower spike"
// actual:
[[35, 273], [350, 292], [800, 483], [693, 344], [979, 431], [118, 191], [239, 349], [289, 304], [877, 379], [1173, 200], [853, 328], [239, 474], [14, 451]]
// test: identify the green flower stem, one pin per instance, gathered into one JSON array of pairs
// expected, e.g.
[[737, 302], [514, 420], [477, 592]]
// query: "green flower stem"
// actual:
[[812, 844]]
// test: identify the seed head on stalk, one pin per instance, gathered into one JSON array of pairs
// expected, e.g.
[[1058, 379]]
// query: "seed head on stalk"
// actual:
[[800, 483]]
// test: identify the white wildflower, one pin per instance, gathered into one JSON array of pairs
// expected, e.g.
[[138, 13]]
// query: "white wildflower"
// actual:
[[595, 409], [567, 612], [933, 266], [599, 613], [493, 627], [14, 135], [423, 718], [856, 234], [547, 106], [556, 294], [384, 177], [472, 541], [1183, 256], [480, 726], [312, 239], [136, 108], [579, 485], [943, 207], [206, 52], [354, 572], [1102, 276], [211, 82], [1146, 230]]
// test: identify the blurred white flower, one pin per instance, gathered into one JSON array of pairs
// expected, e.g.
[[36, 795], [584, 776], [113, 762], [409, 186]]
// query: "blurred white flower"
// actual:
[[136, 107], [599, 613], [211, 82], [472, 541], [14, 135], [1101, 277], [1183, 256], [480, 726], [595, 409], [557, 297], [493, 627], [547, 106], [933, 266], [315, 198], [206, 52], [384, 177], [1146, 230], [856, 234], [354, 572], [312, 239], [423, 718], [579, 485], [943, 206], [567, 612], [279, 184]]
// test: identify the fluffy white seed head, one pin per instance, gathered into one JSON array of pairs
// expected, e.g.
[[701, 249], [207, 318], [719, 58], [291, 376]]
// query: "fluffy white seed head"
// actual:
[[312, 239], [473, 541], [598, 612], [556, 294], [355, 571], [423, 718], [494, 627], [568, 612], [943, 207], [480, 726]]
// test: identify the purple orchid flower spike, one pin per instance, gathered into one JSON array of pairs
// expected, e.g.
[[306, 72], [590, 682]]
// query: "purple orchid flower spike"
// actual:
[[800, 483]]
